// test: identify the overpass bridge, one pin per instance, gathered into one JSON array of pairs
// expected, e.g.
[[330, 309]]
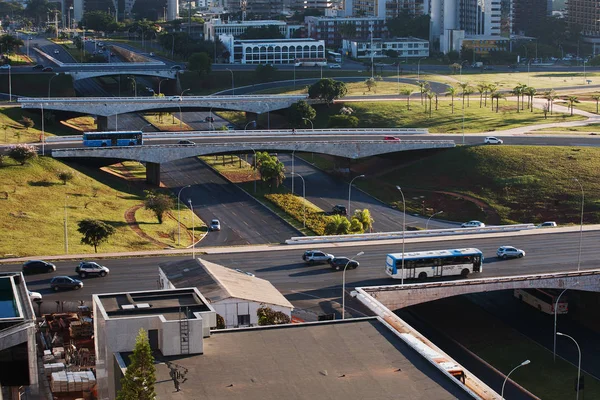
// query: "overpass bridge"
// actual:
[[154, 155], [119, 69]]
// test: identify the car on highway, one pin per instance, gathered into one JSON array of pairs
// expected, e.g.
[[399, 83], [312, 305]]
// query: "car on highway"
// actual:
[[244, 272], [335, 66], [86, 268], [215, 225], [5, 66], [316, 256], [230, 127], [38, 66], [339, 263], [338, 209], [209, 119], [473, 224], [37, 267], [151, 54], [505, 252], [547, 224], [56, 52], [391, 139], [188, 142], [492, 140], [35, 296], [176, 67], [65, 282], [47, 69]]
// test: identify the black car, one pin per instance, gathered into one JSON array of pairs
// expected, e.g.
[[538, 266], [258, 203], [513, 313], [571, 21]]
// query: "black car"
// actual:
[[339, 210], [65, 282], [38, 267], [339, 263], [39, 66], [47, 69], [188, 142], [209, 119]]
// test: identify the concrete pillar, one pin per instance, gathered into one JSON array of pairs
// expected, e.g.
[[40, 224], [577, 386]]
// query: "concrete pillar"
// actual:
[[102, 123], [153, 173]]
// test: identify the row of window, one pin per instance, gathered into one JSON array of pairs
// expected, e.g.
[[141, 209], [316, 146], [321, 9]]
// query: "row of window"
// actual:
[[271, 49], [393, 45], [281, 57]]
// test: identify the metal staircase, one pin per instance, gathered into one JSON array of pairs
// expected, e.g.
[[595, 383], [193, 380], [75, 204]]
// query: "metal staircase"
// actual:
[[184, 330]]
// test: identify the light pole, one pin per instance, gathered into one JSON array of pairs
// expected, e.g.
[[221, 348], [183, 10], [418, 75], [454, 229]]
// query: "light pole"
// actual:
[[181, 95], [9, 84], [419, 68], [372, 53], [344, 284], [294, 76], [43, 133], [180, 118], [145, 126], [161, 81], [293, 169], [251, 122], [303, 198], [578, 364], [350, 190], [232, 85], [584, 77], [193, 231], [65, 228], [211, 126], [505, 379], [179, 215], [429, 219], [580, 224], [172, 45], [555, 315], [254, 169], [134, 85], [403, 229], [312, 126]]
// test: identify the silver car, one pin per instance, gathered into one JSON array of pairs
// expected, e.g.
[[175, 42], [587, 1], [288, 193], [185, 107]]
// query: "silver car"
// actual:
[[505, 252]]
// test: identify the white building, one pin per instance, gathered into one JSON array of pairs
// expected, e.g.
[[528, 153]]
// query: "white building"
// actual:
[[217, 27], [177, 321], [409, 47], [235, 296]]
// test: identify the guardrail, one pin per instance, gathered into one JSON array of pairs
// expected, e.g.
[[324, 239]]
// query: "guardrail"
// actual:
[[155, 99], [407, 234]]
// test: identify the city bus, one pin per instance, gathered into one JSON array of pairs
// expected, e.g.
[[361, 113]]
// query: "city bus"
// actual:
[[544, 300], [111, 139], [434, 263], [333, 56], [310, 62]]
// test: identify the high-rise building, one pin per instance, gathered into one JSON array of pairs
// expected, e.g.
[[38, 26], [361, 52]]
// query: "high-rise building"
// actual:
[[529, 13], [584, 14], [385, 8]]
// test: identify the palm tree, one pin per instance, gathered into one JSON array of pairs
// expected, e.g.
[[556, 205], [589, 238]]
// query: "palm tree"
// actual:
[[497, 96], [530, 91], [523, 92], [464, 87], [469, 91], [481, 88], [451, 92], [407, 93], [492, 87], [365, 218], [423, 88], [572, 100], [517, 91], [597, 98], [430, 96]]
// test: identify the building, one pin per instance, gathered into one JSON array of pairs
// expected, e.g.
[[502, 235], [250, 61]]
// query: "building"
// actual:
[[217, 27], [483, 45], [259, 9], [387, 9], [409, 47], [177, 321], [276, 51], [527, 14], [333, 30], [585, 14], [235, 296], [18, 355]]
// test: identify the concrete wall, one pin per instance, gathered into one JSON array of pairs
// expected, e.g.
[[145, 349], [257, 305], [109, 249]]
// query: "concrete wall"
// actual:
[[230, 308]]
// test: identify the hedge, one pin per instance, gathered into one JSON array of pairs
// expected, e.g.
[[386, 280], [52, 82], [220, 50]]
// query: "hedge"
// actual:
[[293, 206]]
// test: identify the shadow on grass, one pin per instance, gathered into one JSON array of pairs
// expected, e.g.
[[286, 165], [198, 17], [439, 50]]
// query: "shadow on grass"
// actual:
[[43, 183]]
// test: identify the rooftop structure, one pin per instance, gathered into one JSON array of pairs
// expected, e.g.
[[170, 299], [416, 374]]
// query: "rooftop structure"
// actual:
[[216, 27]]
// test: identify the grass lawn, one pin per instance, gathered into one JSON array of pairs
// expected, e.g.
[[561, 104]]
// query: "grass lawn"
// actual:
[[83, 124], [12, 130], [168, 123], [235, 117], [354, 89], [521, 183], [31, 226], [572, 130]]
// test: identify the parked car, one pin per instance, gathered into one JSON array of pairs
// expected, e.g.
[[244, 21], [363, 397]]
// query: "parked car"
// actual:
[[339, 263], [47, 69], [493, 140], [86, 268], [244, 272], [215, 225], [391, 138], [473, 224], [335, 66], [65, 282], [505, 252], [38, 266], [38, 66], [316, 256], [188, 142], [547, 224], [230, 127], [34, 296]]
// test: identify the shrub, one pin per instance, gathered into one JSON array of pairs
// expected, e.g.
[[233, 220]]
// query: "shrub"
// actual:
[[65, 176], [293, 206], [22, 153]]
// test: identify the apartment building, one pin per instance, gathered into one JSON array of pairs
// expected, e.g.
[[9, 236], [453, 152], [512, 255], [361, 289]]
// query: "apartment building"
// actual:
[[586, 15], [409, 47], [333, 30]]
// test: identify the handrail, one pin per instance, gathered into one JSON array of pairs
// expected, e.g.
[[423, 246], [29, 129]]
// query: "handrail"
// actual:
[[154, 98]]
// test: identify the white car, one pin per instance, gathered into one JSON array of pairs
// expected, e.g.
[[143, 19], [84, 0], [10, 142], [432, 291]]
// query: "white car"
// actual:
[[547, 224], [215, 225], [493, 140], [335, 66], [473, 224], [56, 52], [35, 296], [505, 252]]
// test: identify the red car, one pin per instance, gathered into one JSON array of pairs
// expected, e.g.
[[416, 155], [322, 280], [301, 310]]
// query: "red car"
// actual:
[[392, 138]]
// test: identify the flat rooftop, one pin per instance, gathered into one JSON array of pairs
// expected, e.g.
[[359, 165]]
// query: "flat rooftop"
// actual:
[[356, 359], [168, 303]]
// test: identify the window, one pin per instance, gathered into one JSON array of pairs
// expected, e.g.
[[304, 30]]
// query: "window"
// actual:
[[244, 319]]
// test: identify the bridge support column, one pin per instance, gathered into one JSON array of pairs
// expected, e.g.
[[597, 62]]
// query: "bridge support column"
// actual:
[[153, 173], [101, 123]]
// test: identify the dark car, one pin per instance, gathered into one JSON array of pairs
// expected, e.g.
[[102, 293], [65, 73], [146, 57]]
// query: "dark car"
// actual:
[[65, 282], [38, 267], [176, 67], [188, 142], [86, 268], [339, 209], [339, 263], [209, 119], [47, 69], [39, 66]]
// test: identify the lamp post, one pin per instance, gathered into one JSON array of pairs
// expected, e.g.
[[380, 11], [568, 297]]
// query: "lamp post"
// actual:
[[65, 228], [584, 77], [580, 224], [232, 85], [251, 122], [578, 364], [10, 83], [419, 68], [312, 126], [344, 284], [429, 219], [211, 126], [294, 76], [555, 316], [513, 370], [350, 190], [179, 215], [372, 52], [303, 198], [403, 229], [43, 133], [254, 169], [172, 45], [181, 95], [161, 81], [134, 85], [193, 231], [145, 126], [293, 159]]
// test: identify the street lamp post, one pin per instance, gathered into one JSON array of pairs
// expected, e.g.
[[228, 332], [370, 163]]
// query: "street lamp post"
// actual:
[[211, 126], [513, 370], [580, 224], [578, 364], [65, 228], [303, 197], [161, 81], [145, 126], [254, 169], [419, 68], [9, 83], [181, 95], [293, 169], [555, 317], [403, 229], [350, 190], [134, 85], [179, 215], [251, 122], [312, 126], [294, 76], [429, 219], [232, 84], [193, 231], [344, 284]]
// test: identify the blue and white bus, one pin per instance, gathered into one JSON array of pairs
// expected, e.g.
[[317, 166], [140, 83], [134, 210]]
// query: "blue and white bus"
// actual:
[[434, 263], [333, 56], [111, 139]]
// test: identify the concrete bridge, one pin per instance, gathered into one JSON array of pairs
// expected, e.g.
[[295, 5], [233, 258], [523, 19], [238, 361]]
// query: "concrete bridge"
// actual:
[[395, 297], [154, 155], [82, 73]]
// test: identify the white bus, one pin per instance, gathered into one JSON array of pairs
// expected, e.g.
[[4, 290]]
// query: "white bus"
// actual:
[[543, 299], [310, 62], [337, 57], [434, 263]]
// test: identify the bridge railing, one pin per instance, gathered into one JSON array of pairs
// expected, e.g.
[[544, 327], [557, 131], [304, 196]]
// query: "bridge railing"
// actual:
[[157, 99], [407, 234]]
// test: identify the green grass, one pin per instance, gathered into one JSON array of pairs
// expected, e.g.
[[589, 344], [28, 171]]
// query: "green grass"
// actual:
[[583, 130], [354, 89], [12, 131]]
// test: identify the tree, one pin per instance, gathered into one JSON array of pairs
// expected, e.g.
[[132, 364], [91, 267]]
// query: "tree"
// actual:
[[337, 225], [530, 92], [406, 24], [455, 67], [97, 20], [423, 88], [271, 170], [465, 87], [430, 96], [265, 73], [159, 203], [22, 153], [27, 122], [10, 43], [597, 98], [407, 93], [496, 95], [266, 316], [140, 377], [491, 88], [94, 232], [451, 92], [201, 63], [517, 91], [572, 100], [365, 218], [371, 83], [482, 89], [65, 176], [328, 90], [342, 121], [299, 112]]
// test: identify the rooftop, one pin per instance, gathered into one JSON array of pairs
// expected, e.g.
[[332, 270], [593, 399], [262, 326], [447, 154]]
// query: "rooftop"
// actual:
[[277, 40], [216, 282], [353, 359]]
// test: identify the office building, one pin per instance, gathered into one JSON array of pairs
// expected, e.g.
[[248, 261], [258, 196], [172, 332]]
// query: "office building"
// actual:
[[333, 30], [385, 8], [217, 27], [527, 14], [409, 47], [584, 14]]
